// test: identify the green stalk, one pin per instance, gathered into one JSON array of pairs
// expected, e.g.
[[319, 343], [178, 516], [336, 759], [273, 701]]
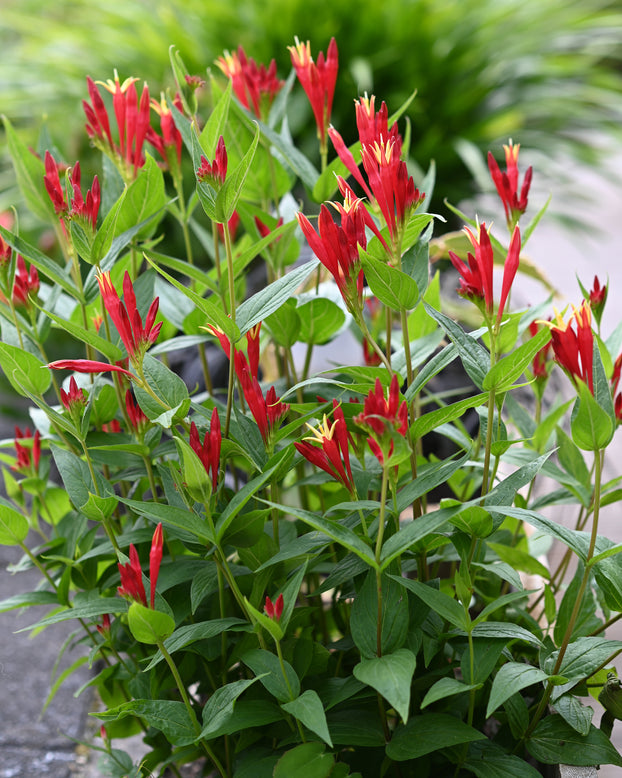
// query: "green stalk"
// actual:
[[598, 466], [186, 701], [379, 537]]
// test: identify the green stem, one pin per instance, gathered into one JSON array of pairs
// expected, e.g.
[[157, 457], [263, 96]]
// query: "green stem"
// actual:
[[184, 695], [598, 464]]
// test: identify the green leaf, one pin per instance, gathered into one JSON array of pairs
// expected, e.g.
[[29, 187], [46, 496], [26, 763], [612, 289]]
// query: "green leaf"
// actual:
[[228, 196], [364, 616], [168, 387], [268, 668], [511, 678], [428, 478], [210, 307], [43, 263], [215, 125], [391, 676], [26, 599], [147, 625], [191, 633], [105, 234], [415, 531], [25, 372], [572, 710], [446, 607], [508, 369], [220, 706], [77, 477], [584, 656], [29, 171], [340, 534], [426, 734], [241, 497], [174, 517], [168, 716], [591, 426], [500, 629], [305, 761], [487, 760], [474, 357], [269, 299], [446, 687], [197, 481], [144, 198], [88, 610], [433, 419], [309, 711], [391, 286], [554, 741], [320, 319], [79, 332], [13, 526]]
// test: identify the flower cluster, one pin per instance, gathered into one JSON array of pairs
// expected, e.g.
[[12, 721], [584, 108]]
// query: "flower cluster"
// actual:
[[318, 80], [132, 116], [83, 208], [254, 85], [132, 586]]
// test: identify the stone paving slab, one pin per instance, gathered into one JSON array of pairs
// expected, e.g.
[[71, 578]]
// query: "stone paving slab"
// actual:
[[32, 744]]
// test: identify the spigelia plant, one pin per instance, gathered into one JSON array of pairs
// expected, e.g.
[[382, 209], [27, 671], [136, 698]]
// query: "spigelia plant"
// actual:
[[271, 569]]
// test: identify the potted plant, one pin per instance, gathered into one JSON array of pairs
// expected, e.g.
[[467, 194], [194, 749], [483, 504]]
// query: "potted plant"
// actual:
[[256, 568]]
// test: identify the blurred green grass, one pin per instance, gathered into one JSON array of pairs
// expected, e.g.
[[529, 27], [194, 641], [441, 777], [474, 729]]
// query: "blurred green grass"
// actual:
[[545, 72]]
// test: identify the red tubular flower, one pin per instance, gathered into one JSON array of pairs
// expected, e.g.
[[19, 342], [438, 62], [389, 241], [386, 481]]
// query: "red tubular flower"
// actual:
[[214, 173], [51, 179], [26, 282], [132, 119], [208, 451], [318, 81], [155, 559], [333, 454], [85, 210], [510, 268], [382, 416], [5, 249], [74, 397], [617, 370], [264, 230], [506, 184], [28, 457], [574, 351], [131, 574], [476, 276], [136, 417], [104, 627], [393, 189], [126, 318], [112, 426], [539, 363], [598, 298], [224, 341], [274, 610], [169, 145], [267, 411], [373, 127], [254, 85], [337, 248], [87, 366]]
